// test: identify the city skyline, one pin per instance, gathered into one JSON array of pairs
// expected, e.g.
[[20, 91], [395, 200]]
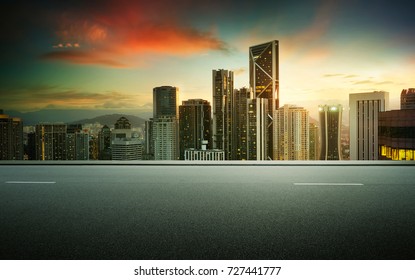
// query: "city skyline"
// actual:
[[111, 55]]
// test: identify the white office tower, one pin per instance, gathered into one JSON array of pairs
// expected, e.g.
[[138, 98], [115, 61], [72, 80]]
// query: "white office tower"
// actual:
[[364, 116], [291, 126], [125, 143], [165, 131]]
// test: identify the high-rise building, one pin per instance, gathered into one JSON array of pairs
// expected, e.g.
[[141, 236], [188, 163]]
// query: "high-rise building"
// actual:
[[149, 140], [165, 123], [165, 131], [291, 126], [408, 99], [11, 138], [51, 141], [240, 124], [397, 135], [222, 98], [77, 143], [313, 153], [264, 83], [330, 131], [104, 143], [364, 115], [165, 101], [194, 125], [257, 148], [125, 143]]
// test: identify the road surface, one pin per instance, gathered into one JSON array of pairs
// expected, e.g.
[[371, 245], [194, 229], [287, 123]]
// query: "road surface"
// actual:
[[228, 211]]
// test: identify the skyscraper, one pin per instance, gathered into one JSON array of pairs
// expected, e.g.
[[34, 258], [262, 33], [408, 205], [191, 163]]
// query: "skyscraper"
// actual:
[[11, 138], [408, 99], [194, 125], [291, 126], [330, 129], [165, 101], [77, 143], [104, 143], [222, 98], [364, 116], [240, 124], [51, 141], [314, 142], [257, 146], [165, 131], [165, 123], [264, 82]]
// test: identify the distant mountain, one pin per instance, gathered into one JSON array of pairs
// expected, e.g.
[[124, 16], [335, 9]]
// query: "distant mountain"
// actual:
[[110, 120], [69, 116]]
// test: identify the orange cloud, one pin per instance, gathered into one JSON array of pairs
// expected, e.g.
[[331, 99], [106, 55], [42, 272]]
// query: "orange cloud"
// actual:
[[128, 29]]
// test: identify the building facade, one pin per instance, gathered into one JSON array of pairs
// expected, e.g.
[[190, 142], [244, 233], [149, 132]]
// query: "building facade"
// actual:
[[397, 135], [11, 138], [291, 126], [364, 117], [264, 83], [314, 147], [408, 99], [77, 143], [330, 131], [165, 125], [257, 144], [125, 143], [222, 106], [51, 141], [165, 101], [194, 125], [165, 131], [240, 124]]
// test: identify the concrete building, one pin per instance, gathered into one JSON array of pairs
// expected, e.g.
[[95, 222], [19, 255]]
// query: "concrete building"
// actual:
[[125, 143], [330, 131], [291, 124], [257, 144], [11, 138], [204, 154], [264, 83], [194, 125], [408, 99], [165, 131], [397, 135], [364, 115]]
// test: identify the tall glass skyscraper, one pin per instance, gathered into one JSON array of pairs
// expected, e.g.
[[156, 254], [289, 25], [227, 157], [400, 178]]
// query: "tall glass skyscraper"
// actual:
[[222, 110], [264, 83], [330, 122], [165, 101]]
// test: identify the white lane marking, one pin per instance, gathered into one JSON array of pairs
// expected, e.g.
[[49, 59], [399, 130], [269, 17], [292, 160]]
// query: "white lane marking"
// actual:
[[328, 184], [28, 182]]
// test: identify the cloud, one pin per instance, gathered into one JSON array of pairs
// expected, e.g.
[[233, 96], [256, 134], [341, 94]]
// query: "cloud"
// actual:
[[44, 96], [83, 57], [118, 31], [239, 71]]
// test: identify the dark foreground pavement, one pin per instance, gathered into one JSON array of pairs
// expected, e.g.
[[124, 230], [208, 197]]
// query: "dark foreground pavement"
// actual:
[[228, 211]]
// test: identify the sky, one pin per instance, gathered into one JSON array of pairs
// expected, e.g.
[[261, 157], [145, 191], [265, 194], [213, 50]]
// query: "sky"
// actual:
[[101, 55]]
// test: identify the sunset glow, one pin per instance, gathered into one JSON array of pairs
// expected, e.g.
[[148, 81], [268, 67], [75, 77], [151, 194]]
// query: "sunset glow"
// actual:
[[110, 54]]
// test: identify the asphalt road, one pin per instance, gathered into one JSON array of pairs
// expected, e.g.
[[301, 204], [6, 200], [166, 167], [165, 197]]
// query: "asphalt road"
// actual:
[[207, 212]]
